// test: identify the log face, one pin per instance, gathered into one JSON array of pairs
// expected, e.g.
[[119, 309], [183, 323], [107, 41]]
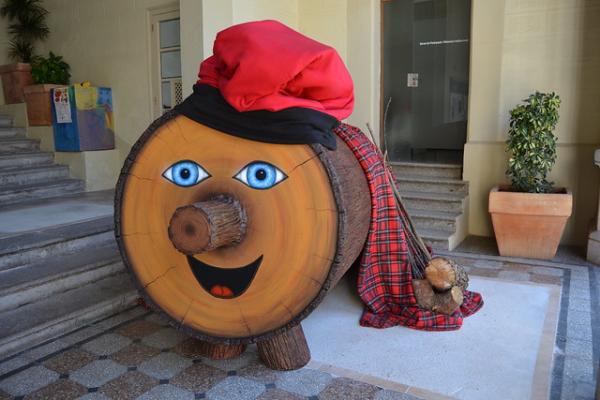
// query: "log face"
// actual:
[[291, 231]]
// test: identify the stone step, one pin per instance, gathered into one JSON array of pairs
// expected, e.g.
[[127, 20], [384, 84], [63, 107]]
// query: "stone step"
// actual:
[[33, 175], [11, 132], [426, 184], [6, 120], [431, 170], [50, 317], [24, 193], [437, 239], [17, 145], [446, 202], [31, 282], [436, 220], [54, 241], [25, 160]]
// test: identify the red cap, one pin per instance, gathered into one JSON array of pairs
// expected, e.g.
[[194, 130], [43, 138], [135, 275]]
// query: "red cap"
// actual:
[[265, 65]]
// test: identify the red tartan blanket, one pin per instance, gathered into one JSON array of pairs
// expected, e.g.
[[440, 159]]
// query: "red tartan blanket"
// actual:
[[385, 278]]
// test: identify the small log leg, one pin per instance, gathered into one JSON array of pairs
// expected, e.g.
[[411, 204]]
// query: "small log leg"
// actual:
[[286, 351], [220, 351]]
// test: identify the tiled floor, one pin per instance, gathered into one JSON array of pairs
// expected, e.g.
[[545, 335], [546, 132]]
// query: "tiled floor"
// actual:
[[136, 354]]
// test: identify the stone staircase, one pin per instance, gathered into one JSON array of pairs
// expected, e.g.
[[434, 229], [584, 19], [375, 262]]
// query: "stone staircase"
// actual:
[[436, 198], [26, 173], [59, 264]]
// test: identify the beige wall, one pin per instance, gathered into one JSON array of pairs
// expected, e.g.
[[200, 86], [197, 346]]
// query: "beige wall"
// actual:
[[519, 47]]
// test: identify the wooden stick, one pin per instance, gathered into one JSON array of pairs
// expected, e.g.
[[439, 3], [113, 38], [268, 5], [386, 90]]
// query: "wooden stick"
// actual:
[[286, 351]]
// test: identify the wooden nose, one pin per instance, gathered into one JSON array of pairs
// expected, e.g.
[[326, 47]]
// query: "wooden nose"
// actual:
[[207, 225]]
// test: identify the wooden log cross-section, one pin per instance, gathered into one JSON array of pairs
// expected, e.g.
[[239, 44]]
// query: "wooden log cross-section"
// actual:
[[236, 241]]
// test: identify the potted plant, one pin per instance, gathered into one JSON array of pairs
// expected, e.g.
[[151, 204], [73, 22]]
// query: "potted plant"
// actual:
[[27, 24], [48, 73], [529, 216]]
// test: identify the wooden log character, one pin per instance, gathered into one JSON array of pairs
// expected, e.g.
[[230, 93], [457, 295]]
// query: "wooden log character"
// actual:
[[236, 240]]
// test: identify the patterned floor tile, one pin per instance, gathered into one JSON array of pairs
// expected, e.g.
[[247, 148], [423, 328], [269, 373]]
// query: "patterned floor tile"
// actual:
[[28, 381], [157, 319], [138, 329], [164, 365], [170, 392], [94, 396], [69, 361], [305, 382], [98, 373], [257, 371], [198, 378], [278, 394], [233, 364], [106, 344], [348, 389], [235, 388], [134, 354], [165, 338], [128, 386], [390, 395], [514, 275], [63, 389]]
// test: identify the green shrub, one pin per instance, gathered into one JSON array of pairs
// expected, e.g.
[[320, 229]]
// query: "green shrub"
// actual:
[[50, 70], [531, 143]]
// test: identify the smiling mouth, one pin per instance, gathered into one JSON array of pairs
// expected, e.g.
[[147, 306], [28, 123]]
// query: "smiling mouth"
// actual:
[[225, 283]]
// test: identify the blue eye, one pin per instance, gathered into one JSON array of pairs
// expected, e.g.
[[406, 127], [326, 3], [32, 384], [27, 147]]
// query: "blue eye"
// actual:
[[186, 173], [260, 175]]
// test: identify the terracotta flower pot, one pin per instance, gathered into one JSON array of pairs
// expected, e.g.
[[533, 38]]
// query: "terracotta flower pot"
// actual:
[[39, 110], [529, 224], [14, 78]]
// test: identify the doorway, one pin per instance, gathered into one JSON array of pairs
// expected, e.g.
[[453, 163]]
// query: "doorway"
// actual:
[[425, 79], [166, 60]]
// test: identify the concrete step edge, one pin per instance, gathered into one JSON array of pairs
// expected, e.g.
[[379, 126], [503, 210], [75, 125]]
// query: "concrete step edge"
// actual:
[[55, 234], [424, 165], [437, 196], [32, 169], [428, 179], [19, 188], [60, 326], [30, 292], [441, 215]]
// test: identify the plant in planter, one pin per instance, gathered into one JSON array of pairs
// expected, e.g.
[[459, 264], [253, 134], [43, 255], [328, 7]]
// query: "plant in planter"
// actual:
[[48, 73], [27, 25], [529, 216]]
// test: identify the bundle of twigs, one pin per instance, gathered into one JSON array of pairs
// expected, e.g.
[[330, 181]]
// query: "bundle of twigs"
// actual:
[[418, 253]]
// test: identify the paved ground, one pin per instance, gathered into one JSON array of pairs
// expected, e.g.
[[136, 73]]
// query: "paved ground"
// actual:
[[136, 355]]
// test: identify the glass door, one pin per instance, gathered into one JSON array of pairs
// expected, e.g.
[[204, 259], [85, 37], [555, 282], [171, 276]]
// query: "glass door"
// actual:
[[425, 57]]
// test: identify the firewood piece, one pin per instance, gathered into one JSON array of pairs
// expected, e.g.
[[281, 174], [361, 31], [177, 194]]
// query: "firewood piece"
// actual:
[[443, 274], [446, 302], [286, 351], [217, 351], [206, 225]]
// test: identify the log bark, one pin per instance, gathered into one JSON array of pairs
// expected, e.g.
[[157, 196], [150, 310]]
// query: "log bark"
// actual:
[[286, 351], [207, 225], [446, 302], [443, 274], [220, 351]]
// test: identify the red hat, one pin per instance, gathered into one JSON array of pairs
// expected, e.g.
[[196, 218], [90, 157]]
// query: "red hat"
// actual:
[[267, 66], [272, 84]]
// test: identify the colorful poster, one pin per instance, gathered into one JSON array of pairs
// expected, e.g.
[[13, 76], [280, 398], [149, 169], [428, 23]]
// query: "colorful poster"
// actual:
[[62, 105]]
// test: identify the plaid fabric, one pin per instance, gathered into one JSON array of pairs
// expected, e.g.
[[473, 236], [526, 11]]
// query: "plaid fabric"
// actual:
[[385, 278]]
